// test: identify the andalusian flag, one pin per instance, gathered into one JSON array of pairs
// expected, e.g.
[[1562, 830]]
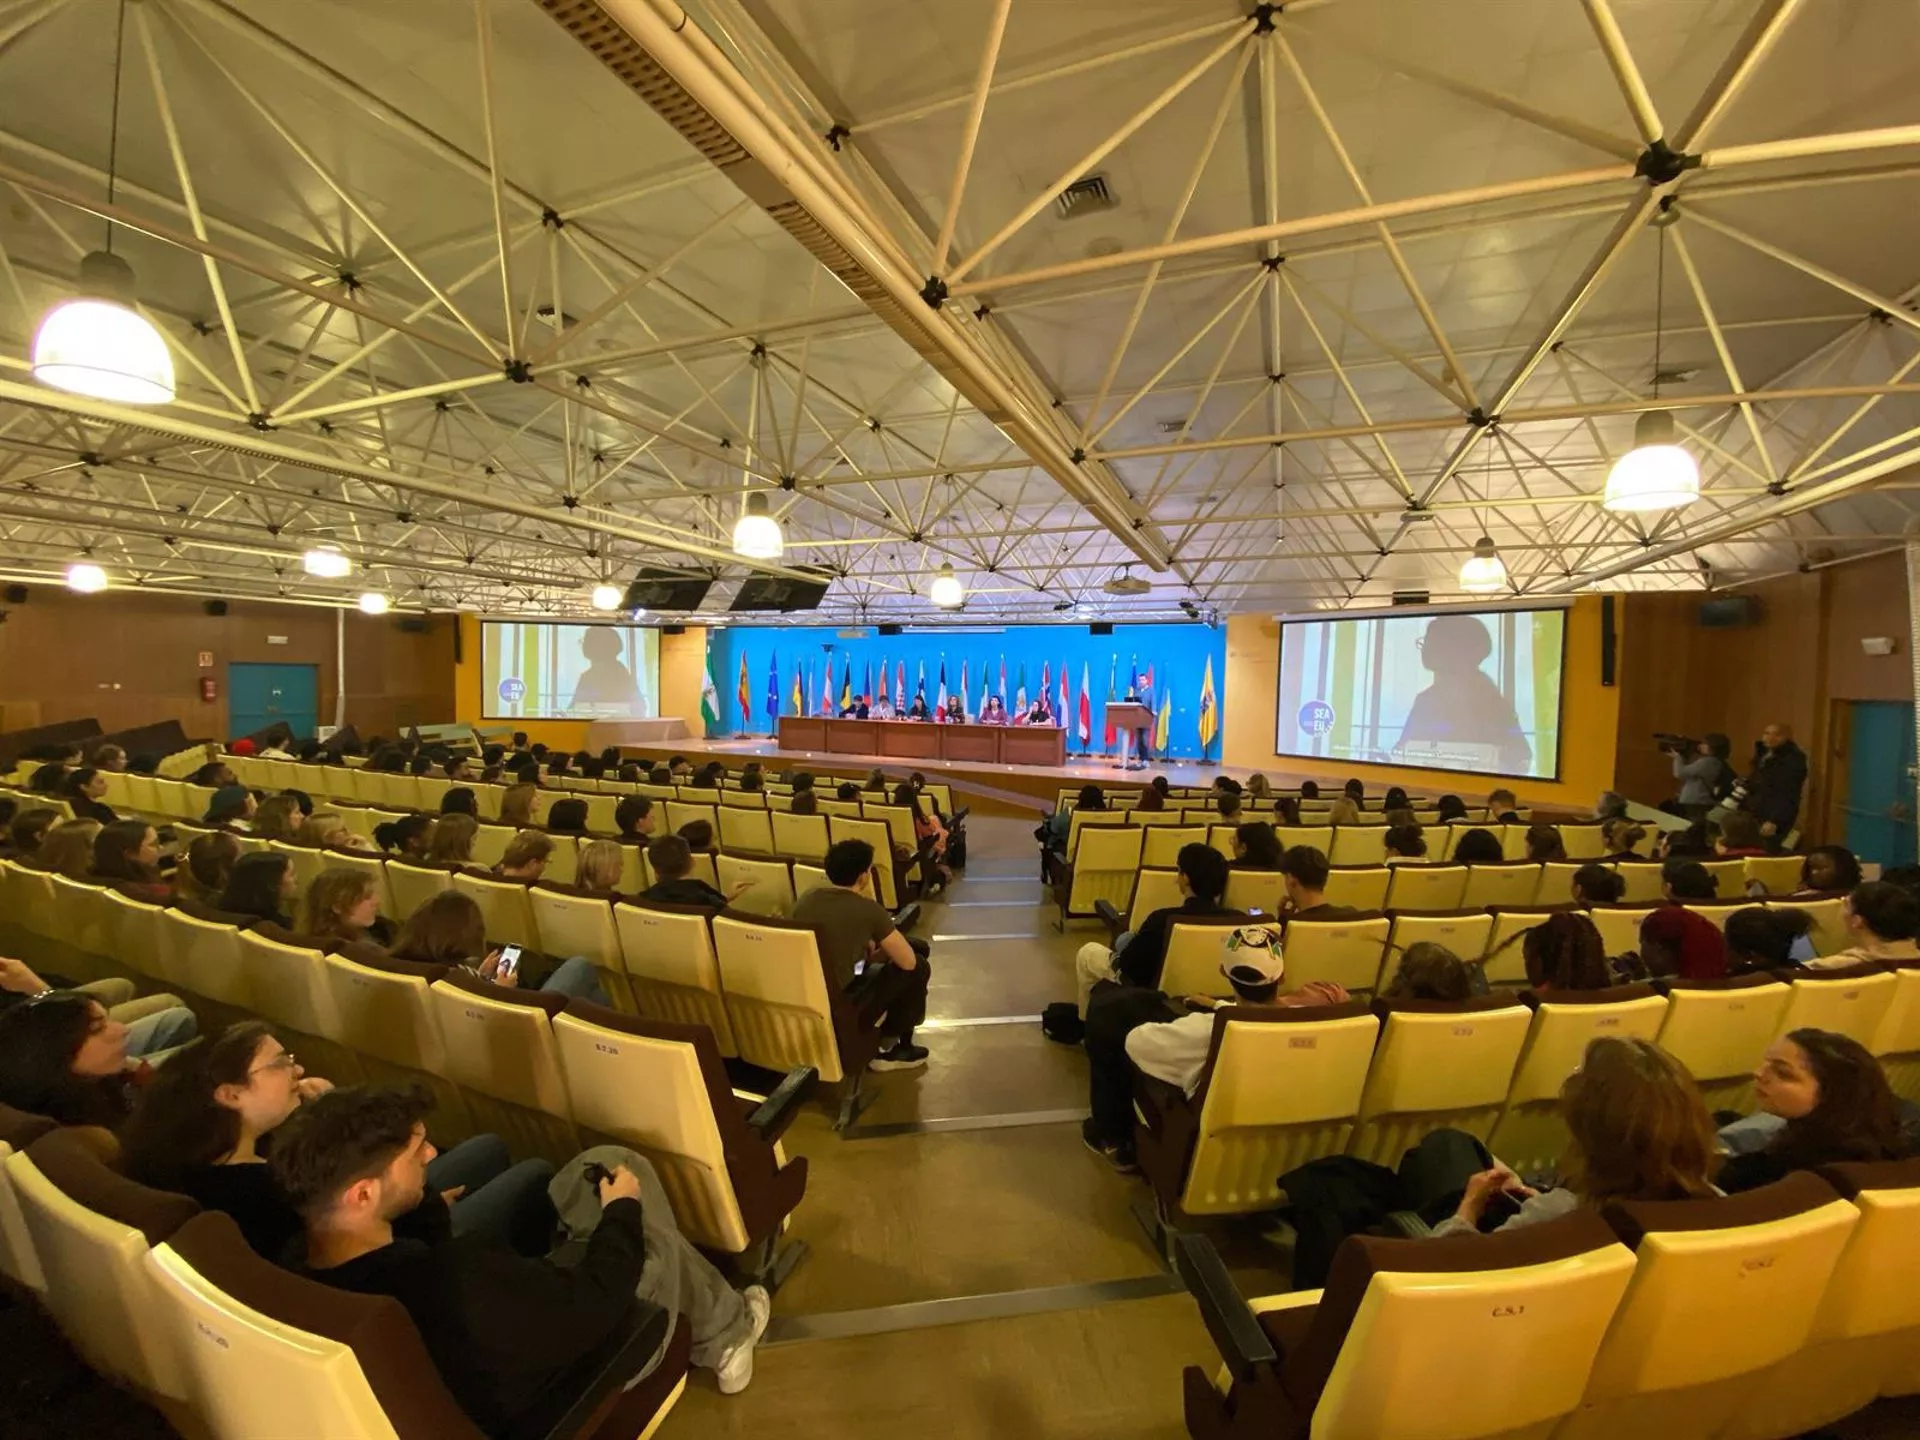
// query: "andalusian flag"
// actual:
[[1164, 725], [1209, 718], [799, 697], [710, 700], [746, 696]]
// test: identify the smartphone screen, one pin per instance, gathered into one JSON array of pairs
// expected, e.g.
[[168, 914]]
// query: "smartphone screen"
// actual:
[[509, 961]]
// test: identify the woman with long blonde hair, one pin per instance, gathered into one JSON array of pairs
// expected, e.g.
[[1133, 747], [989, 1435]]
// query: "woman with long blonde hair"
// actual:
[[516, 805]]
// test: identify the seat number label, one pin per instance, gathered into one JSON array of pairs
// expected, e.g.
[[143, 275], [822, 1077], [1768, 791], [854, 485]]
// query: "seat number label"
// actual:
[[1302, 1042]]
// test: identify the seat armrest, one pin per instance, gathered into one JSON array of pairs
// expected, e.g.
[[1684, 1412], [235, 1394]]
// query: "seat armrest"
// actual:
[[1242, 1344], [596, 1384], [958, 817], [907, 916], [778, 1110]]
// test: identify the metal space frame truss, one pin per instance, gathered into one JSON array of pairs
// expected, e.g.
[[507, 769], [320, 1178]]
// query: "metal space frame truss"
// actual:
[[285, 432]]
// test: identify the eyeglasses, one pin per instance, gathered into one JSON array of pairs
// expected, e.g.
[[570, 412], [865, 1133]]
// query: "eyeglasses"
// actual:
[[283, 1061]]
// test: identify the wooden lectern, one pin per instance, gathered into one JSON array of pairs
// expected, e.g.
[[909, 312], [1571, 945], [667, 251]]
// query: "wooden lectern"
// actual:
[[1127, 716]]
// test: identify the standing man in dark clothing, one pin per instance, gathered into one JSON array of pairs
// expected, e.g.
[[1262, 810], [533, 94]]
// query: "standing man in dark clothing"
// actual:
[[1137, 956], [866, 955], [1778, 776]]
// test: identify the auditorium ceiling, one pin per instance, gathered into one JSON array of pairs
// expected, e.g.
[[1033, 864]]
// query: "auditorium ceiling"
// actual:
[[1270, 307]]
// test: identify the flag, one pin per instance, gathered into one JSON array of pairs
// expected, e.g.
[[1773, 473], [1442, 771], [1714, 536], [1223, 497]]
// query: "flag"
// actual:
[[1046, 684], [1209, 722], [900, 686], [1107, 740], [799, 696], [881, 694], [1164, 725], [709, 699], [940, 705], [1086, 708], [966, 695], [920, 688], [846, 685], [773, 691], [826, 687], [1063, 715], [745, 696], [1133, 675], [866, 687], [1020, 695], [1146, 687], [1003, 682]]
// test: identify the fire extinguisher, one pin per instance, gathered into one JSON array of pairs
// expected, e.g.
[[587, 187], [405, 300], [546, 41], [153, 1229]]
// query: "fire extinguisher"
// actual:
[[209, 688]]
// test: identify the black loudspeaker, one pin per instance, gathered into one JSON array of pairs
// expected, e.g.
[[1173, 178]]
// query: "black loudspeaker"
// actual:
[[216, 607], [673, 629], [889, 630], [1100, 627], [1412, 597], [1609, 640], [413, 624], [16, 594], [1730, 612]]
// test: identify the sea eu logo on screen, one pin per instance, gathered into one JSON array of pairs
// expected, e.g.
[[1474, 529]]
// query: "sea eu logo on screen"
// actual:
[[512, 690], [1316, 718]]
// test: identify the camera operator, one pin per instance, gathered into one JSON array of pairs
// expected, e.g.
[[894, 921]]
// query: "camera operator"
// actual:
[[1703, 772], [1773, 786]]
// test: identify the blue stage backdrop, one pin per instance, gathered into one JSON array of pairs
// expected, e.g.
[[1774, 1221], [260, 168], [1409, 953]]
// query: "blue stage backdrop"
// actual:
[[789, 672]]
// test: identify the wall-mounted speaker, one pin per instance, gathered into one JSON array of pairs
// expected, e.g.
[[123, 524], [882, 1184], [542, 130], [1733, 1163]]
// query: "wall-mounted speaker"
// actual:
[[673, 629], [1412, 597], [889, 629], [1728, 612], [1100, 627], [413, 624], [1609, 639], [459, 649], [215, 607], [16, 594]]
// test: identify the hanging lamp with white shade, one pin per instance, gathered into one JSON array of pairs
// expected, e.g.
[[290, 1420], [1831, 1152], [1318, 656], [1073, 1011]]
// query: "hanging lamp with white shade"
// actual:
[[325, 562], [1658, 473], [374, 603], [95, 343], [756, 534], [86, 578], [606, 596], [946, 591], [1483, 572]]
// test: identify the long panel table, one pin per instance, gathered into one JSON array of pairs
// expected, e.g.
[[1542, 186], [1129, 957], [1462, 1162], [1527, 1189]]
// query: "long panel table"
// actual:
[[919, 740]]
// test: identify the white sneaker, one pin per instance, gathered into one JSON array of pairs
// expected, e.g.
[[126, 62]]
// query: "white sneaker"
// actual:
[[735, 1370]]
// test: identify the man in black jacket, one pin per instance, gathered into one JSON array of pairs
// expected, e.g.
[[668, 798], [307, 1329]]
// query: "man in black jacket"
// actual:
[[1137, 956], [1773, 787], [509, 1335]]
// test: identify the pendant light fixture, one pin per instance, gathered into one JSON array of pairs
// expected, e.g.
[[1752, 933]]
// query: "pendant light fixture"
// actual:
[[946, 591], [606, 597], [1657, 473], [756, 534], [96, 343], [374, 603], [86, 578], [324, 562], [1483, 572]]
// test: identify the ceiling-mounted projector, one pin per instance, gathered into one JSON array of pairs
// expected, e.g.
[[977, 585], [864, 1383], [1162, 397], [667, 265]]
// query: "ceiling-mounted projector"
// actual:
[[1126, 583]]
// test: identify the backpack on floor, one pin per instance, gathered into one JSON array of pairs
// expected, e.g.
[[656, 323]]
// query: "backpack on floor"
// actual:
[[1061, 1022]]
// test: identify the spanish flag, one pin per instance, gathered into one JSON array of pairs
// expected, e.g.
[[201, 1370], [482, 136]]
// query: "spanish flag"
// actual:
[[1209, 714], [746, 696]]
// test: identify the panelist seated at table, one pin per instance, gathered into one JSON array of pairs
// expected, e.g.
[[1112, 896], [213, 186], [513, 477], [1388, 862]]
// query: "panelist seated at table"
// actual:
[[919, 709], [993, 712], [955, 713], [882, 708], [1037, 714], [858, 710]]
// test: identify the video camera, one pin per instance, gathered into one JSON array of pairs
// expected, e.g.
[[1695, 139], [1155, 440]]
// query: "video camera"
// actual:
[[1676, 744]]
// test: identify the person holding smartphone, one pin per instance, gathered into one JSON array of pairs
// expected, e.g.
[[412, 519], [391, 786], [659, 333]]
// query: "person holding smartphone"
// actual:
[[451, 930]]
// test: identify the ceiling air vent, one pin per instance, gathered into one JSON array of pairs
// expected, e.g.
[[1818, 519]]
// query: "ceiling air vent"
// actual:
[[1083, 197]]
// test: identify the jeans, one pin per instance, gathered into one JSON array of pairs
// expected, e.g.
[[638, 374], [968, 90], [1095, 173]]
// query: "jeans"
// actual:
[[577, 980], [502, 1199], [893, 998], [1113, 1013]]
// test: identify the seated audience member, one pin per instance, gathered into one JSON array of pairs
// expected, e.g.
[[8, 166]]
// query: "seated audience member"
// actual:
[[1356, 791], [65, 1057], [1676, 943], [263, 885], [1479, 847], [632, 773], [1637, 1131], [1690, 842], [802, 780], [1255, 847], [928, 830], [1286, 810], [85, 790], [752, 782], [1151, 802], [1137, 955], [601, 865], [660, 775], [846, 790], [1688, 880], [1621, 840], [126, 854], [1450, 808], [866, 955], [50, 779], [460, 800], [567, 817], [1762, 939], [1405, 842], [1131, 1028], [1565, 952], [699, 837], [144, 763], [68, 849], [1395, 799], [557, 766], [406, 838], [1259, 787], [804, 802], [1060, 823], [110, 758], [1829, 870], [526, 857], [344, 905], [1545, 846], [1430, 971], [208, 868], [202, 1129], [1822, 1100], [1227, 803], [674, 883], [1740, 836], [1503, 807], [1882, 920], [516, 805], [327, 830], [154, 1022], [1343, 812], [28, 830], [1162, 784], [214, 775], [232, 806], [278, 817], [508, 1333], [450, 930], [633, 817], [1309, 790], [707, 777], [459, 770], [1307, 871], [1611, 805], [1597, 884], [452, 840], [876, 783]]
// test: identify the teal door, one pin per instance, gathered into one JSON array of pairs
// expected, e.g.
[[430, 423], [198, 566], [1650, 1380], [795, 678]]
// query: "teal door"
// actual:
[[263, 695], [1880, 783]]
